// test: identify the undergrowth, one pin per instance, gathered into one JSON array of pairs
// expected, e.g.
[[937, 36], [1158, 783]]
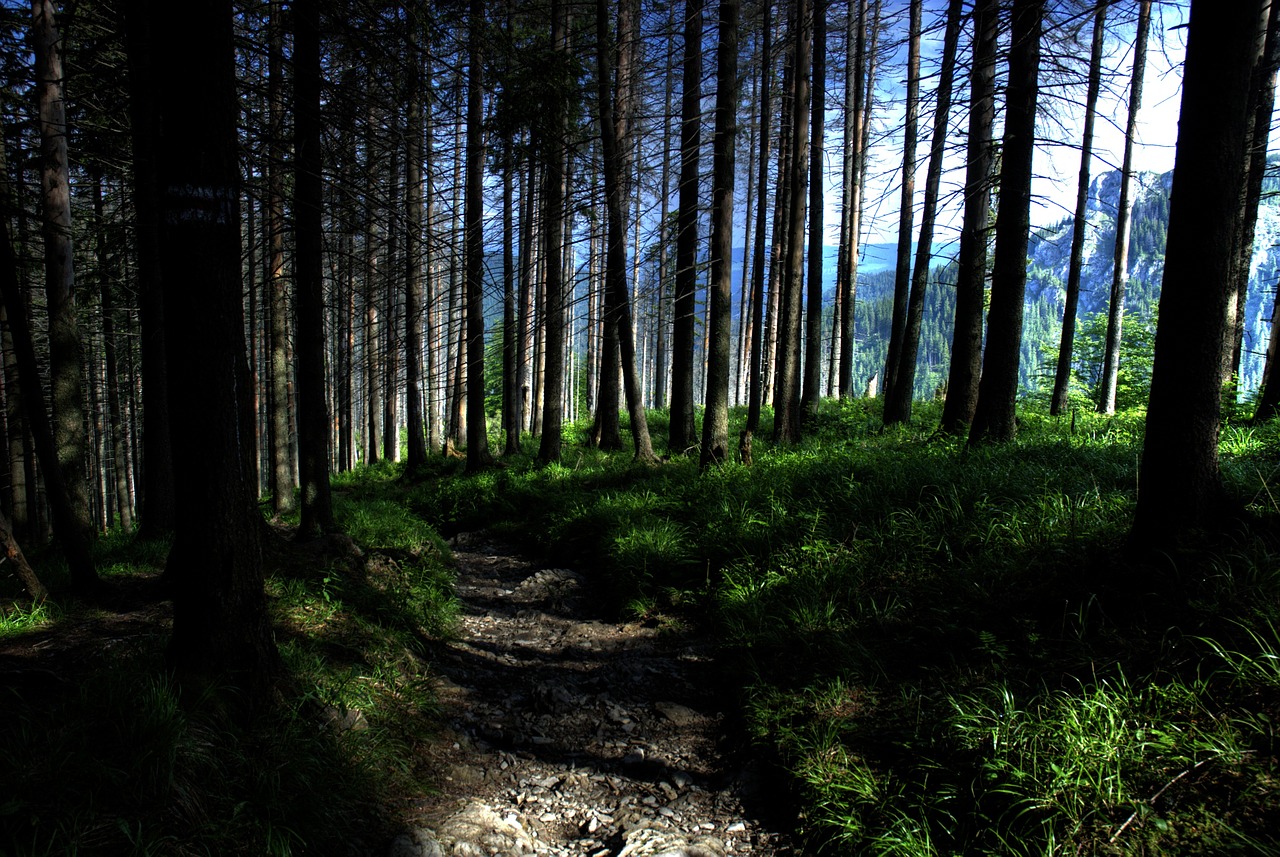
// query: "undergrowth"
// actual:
[[102, 753], [951, 650]]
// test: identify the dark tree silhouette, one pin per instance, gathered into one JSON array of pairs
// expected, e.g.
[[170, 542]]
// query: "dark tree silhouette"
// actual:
[[1179, 484]]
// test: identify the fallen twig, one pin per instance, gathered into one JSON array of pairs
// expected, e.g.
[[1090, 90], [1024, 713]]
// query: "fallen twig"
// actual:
[[1155, 797]]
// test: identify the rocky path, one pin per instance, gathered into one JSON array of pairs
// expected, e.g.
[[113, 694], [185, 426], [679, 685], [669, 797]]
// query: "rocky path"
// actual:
[[572, 735]]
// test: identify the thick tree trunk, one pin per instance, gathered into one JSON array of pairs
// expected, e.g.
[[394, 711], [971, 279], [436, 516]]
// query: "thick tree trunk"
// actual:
[[156, 494], [416, 451], [1179, 485], [898, 402], [473, 222], [221, 631], [854, 178], [66, 354], [906, 220], [617, 299], [1262, 99], [13, 553], [1120, 271], [812, 389], [786, 420], [553, 239], [282, 484], [313, 411], [1259, 128], [966, 339], [119, 452], [683, 431], [1062, 376], [715, 419], [70, 530], [755, 378], [994, 418]]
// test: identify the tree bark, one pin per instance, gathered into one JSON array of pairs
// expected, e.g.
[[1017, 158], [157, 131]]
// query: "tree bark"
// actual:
[[994, 418], [906, 219], [812, 389], [553, 237], [1062, 375], [683, 431], [66, 353], [313, 411], [715, 419], [478, 455], [755, 388], [416, 450], [786, 419], [617, 299], [1120, 271], [1179, 484], [899, 400], [282, 483], [971, 265], [156, 495], [854, 178], [221, 631]]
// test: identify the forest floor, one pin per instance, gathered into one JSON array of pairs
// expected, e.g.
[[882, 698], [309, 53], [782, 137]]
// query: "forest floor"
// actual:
[[567, 733]]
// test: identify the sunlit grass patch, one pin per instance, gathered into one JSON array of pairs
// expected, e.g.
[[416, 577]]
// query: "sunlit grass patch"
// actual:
[[21, 617]]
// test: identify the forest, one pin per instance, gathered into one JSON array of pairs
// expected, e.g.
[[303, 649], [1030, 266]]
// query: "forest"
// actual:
[[639, 427]]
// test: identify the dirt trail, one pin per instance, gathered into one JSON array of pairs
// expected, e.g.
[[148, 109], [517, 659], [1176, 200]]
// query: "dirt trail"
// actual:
[[572, 735]]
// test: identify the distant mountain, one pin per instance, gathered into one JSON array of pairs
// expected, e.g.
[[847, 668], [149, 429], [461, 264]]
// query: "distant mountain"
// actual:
[[1049, 255]]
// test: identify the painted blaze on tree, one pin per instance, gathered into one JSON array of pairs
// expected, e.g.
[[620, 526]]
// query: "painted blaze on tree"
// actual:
[[220, 626]]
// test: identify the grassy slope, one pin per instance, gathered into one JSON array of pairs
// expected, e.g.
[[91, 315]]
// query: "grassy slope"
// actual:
[[100, 753], [950, 649]]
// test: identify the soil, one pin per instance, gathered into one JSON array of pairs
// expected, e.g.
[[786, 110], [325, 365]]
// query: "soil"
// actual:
[[562, 732], [570, 734]]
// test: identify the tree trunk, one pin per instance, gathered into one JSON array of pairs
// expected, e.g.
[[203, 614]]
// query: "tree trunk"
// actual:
[[683, 431], [156, 494], [1120, 271], [119, 453], [66, 354], [553, 238], [1179, 484], [1062, 376], [906, 219], [1258, 128], [313, 411], [854, 178], [971, 265], [994, 418], [755, 388], [898, 402], [13, 553], [473, 222], [221, 631], [1262, 101], [786, 420], [812, 390], [74, 537], [617, 299], [715, 419], [510, 333], [277, 287], [416, 451]]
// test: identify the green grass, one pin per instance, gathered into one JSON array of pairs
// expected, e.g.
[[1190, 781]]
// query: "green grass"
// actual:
[[101, 753], [950, 649]]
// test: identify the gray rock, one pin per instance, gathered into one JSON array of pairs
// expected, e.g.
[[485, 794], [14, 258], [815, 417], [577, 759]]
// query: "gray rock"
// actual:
[[650, 842], [416, 843], [478, 831]]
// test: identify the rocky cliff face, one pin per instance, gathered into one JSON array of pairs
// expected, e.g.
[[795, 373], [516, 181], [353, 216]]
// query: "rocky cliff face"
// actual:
[[1050, 254]]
